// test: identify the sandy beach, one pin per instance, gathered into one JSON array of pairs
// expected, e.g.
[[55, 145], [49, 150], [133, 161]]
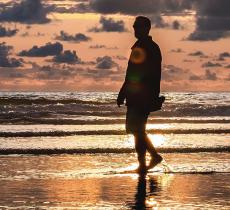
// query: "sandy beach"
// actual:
[[70, 151], [197, 181]]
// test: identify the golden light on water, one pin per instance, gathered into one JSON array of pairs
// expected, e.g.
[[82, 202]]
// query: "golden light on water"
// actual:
[[157, 139], [158, 126]]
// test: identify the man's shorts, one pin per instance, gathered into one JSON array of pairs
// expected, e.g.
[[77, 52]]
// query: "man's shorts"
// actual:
[[136, 120]]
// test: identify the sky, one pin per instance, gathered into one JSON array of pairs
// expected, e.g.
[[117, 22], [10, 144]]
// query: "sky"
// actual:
[[84, 45]]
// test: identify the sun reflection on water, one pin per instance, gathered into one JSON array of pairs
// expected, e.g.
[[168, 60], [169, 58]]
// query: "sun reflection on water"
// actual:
[[158, 126], [156, 139]]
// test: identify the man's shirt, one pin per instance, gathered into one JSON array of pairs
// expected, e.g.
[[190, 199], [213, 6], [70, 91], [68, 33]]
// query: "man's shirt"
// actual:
[[143, 75]]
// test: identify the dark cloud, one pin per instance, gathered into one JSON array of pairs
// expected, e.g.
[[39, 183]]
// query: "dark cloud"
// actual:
[[223, 55], [105, 62], [158, 22], [207, 76], [211, 64], [109, 25], [136, 7], [207, 36], [153, 9], [176, 25], [7, 32], [227, 67], [213, 20], [210, 75], [27, 11], [38, 34], [78, 8], [43, 51], [196, 53], [188, 61], [67, 57], [11, 73], [178, 50], [79, 37], [195, 77], [97, 46], [55, 72], [227, 78], [5, 60], [119, 57], [172, 73]]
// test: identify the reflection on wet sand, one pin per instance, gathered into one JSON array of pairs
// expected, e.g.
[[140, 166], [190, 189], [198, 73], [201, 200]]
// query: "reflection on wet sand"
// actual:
[[65, 182]]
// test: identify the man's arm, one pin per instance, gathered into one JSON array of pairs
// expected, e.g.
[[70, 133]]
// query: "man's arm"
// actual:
[[122, 93], [155, 74]]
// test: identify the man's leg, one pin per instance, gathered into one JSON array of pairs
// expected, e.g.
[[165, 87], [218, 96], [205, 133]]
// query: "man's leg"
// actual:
[[140, 146], [155, 157], [150, 148]]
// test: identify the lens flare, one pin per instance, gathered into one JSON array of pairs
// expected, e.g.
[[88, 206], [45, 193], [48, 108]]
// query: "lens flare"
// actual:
[[138, 55]]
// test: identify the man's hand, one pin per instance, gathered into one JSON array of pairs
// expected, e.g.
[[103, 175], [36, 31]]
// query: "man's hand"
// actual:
[[120, 101]]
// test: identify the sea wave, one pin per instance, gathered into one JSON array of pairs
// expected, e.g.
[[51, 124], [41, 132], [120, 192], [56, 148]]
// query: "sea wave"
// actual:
[[112, 132], [44, 105], [46, 101], [111, 150], [62, 121]]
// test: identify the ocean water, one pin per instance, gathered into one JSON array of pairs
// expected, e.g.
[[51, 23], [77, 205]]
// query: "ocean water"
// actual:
[[67, 150]]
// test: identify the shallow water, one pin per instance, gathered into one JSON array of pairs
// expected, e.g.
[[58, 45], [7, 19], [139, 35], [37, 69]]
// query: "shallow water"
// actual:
[[70, 151], [96, 182]]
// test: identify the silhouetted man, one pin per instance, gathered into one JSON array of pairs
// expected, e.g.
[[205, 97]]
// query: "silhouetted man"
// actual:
[[141, 89]]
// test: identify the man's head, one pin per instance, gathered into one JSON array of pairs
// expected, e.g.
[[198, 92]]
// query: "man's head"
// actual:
[[142, 26]]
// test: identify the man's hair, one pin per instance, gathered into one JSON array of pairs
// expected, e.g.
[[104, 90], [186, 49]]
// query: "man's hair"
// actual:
[[143, 20]]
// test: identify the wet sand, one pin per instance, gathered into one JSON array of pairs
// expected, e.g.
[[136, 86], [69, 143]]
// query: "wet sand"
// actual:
[[198, 181]]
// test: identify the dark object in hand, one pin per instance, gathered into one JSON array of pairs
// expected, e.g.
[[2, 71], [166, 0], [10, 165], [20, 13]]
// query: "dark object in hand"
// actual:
[[157, 104]]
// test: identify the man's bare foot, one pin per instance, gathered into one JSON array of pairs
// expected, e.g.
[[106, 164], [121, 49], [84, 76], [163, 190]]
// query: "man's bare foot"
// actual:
[[154, 161], [141, 170]]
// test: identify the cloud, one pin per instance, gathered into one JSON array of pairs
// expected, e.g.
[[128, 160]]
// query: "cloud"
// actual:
[[227, 78], [210, 64], [223, 55], [27, 11], [105, 62], [172, 73], [227, 67], [67, 57], [176, 25], [153, 9], [109, 25], [195, 77], [5, 60], [119, 57], [188, 61], [136, 7], [7, 32], [79, 37], [212, 20], [97, 46], [196, 53], [43, 51], [209, 75], [158, 21], [81, 7], [55, 72], [178, 50]]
